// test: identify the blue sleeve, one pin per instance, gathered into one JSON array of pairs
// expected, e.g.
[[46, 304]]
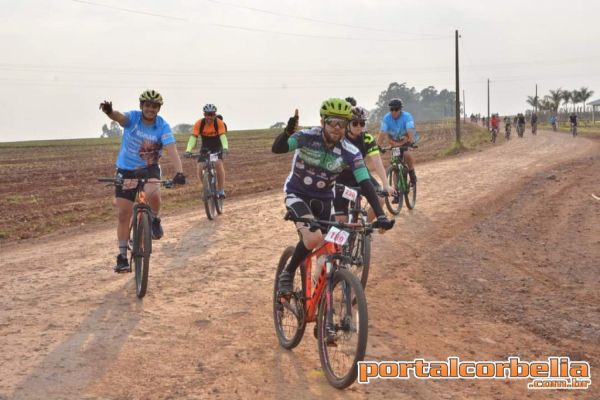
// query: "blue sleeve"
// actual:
[[166, 136], [410, 122], [131, 116], [384, 126]]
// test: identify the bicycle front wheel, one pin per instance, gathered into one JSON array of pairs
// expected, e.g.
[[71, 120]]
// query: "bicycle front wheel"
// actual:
[[288, 314], [142, 248], [410, 194], [359, 250], [390, 201], [207, 197], [342, 329]]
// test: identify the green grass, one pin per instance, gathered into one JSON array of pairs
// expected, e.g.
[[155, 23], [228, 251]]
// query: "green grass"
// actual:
[[583, 130], [19, 199], [473, 137]]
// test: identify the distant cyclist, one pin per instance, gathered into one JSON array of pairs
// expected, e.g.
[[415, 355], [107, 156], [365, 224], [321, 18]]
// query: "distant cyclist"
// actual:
[[145, 135], [398, 128], [321, 154], [534, 122], [365, 142], [507, 126], [495, 122], [520, 124], [211, 131], [573, 121], [553, 121]]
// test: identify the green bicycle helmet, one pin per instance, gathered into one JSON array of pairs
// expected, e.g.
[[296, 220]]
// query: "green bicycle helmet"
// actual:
[[334, 107], [152, 96]]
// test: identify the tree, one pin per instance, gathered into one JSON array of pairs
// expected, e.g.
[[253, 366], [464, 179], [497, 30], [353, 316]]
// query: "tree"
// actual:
[[585, 95], [532, 101], [182, 128], [278, 125], [114, 130], [556, 96], [566, 97]]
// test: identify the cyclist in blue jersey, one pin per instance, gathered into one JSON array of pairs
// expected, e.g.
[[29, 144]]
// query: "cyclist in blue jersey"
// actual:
[[321, 154], [398, 127], [145, 134]]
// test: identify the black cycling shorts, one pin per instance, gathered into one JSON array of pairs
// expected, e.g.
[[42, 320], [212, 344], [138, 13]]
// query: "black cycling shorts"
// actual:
[[341, 204], [300, 206], [153, 171]]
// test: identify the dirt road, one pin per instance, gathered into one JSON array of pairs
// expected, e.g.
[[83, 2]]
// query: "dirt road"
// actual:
[[500, 258]]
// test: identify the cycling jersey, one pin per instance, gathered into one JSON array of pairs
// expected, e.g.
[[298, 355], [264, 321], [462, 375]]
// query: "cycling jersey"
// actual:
[[316, 167], [495, 122], [534, 119], [521, 120], [367, 146], [396, 128], [141, 144], [573, 119]]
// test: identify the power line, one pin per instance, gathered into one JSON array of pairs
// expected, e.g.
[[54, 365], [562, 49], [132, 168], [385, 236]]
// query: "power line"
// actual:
[[329, 23], [248, 29]]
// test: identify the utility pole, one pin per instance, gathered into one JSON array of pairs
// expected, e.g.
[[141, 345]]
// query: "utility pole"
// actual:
[[488, 96], [464, 108], [536, 99], [457, 89]]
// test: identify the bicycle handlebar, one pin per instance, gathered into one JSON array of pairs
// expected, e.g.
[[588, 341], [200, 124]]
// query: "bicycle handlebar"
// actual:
[[168, 183], [403, 147]]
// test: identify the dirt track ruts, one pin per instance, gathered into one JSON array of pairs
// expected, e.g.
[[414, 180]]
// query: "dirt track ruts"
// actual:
[[499, 258]]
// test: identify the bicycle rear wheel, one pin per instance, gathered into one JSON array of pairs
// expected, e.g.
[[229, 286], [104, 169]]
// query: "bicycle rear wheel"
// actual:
[[410, 194], [392, 174], [288, 315], [207, 197], [142, 248], [343, 340]]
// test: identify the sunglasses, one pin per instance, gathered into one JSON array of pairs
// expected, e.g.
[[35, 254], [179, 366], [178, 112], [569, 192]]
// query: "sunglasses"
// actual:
[[357, 123], [209, 114], [333, 122], [395, 109]]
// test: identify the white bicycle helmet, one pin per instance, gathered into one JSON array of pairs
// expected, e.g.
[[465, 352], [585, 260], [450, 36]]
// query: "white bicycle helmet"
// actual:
[[210, 108]]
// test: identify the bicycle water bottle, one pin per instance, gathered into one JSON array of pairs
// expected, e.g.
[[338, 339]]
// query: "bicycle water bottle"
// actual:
[[316, 272]]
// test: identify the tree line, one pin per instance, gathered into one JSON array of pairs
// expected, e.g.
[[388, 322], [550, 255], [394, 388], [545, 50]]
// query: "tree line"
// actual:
[[552, 101]]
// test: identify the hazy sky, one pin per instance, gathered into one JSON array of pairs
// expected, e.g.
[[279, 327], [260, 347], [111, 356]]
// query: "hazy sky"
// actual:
[[258, 60]]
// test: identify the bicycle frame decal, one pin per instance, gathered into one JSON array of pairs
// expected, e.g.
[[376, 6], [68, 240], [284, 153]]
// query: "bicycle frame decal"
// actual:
[[553, 373]]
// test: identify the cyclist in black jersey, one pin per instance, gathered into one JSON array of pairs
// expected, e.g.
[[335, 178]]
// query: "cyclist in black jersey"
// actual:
[[321, 154]]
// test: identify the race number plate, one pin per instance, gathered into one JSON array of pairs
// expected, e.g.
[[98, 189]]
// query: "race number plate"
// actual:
[[349, 194], [214, 157], [396, 151], [337, 236], [129, 184]]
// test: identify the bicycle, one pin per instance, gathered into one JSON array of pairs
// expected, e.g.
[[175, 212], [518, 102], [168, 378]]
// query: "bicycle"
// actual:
[[335, 301], [494, 134], [520, 130], [507, 131], [140, 228], [534, 128], [573, 129], [397, 174], [358, 246], [213, 202]]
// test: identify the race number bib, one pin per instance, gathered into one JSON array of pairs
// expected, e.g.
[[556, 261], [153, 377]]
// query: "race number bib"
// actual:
[[214, 157], [337, 236], [396, 151], [349, 194]]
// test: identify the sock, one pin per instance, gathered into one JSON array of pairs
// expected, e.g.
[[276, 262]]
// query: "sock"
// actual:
[[300, 254], [123, 248]]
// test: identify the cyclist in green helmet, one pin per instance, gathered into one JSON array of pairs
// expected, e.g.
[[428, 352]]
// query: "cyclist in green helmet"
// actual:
[[321, 154]]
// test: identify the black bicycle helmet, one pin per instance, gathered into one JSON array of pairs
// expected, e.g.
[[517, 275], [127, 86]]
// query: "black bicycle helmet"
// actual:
[[395, 103]]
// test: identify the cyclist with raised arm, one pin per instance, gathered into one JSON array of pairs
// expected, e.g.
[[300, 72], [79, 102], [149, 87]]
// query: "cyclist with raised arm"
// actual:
[[211, 131], [145, 135], [320, 154], [366, 144], [398, 127]]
